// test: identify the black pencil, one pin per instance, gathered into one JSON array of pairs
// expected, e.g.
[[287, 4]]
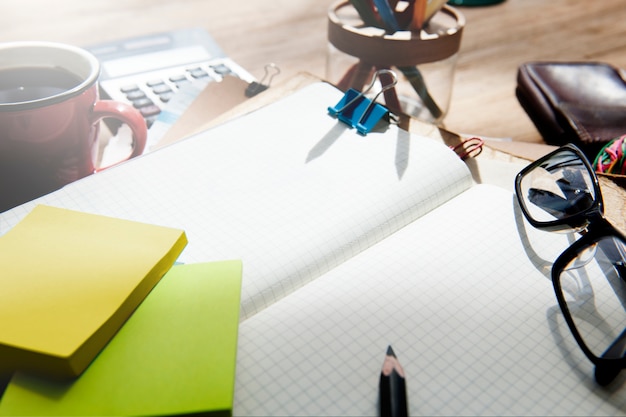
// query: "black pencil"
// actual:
[[392, 387]]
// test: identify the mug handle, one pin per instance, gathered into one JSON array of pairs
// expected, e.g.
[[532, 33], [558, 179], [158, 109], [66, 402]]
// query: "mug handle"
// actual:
[[127, 114]]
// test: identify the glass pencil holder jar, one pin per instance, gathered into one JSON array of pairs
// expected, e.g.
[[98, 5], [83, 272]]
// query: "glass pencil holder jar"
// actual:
[[423, 61]]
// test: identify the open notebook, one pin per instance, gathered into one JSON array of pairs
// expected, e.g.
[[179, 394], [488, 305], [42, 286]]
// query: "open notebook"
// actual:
[[352, 243], [287, 189]]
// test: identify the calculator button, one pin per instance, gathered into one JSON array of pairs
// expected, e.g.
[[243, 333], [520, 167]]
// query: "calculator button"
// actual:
[[165, 97], [178, 78], [142, 102], [161, 88], [154, 83], [150, 110], [128, 88], [221, 69], [135, 95], [198, 73]]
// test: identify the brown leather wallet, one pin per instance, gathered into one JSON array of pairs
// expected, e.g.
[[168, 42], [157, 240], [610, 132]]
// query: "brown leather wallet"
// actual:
[[574, 102]]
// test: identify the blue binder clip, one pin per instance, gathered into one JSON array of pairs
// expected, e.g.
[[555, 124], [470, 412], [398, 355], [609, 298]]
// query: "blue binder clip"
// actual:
[[360, 112]]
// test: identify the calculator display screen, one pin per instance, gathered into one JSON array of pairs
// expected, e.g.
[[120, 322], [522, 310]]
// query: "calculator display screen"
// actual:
[[154, 60]]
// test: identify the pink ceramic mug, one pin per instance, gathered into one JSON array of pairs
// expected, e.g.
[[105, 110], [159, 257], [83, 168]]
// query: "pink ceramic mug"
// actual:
[[50, 116]]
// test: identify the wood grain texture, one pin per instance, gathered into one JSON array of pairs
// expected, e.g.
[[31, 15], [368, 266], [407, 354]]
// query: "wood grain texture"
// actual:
[[292, 34]]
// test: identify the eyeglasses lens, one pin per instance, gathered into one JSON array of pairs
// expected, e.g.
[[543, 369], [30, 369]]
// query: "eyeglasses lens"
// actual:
[[594, 291], [559, 188]]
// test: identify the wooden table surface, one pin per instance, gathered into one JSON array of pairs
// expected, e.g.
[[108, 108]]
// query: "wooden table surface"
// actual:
[[292, 34]]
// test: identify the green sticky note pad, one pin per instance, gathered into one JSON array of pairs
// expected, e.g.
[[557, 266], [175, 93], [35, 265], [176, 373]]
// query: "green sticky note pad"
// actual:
[[175, 355]]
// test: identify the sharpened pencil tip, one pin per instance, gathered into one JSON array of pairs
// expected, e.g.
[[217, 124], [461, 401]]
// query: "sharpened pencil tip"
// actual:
[[390, 351]]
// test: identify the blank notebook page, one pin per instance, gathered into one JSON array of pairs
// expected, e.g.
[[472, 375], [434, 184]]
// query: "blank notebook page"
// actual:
[[463, 295], [287, 189]]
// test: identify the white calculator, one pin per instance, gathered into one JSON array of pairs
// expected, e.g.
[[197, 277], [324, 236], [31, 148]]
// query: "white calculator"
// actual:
[[147, 71]]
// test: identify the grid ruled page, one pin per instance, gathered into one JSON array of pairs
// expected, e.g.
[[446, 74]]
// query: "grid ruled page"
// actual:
[[287, 189], [464, 297]]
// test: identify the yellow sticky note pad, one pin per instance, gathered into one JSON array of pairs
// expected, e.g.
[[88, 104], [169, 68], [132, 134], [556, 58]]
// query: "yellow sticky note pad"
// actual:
[[69, 281], [176, 355]]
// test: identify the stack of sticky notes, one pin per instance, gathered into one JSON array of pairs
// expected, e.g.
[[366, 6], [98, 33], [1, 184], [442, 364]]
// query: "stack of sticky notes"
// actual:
[[94, 320]]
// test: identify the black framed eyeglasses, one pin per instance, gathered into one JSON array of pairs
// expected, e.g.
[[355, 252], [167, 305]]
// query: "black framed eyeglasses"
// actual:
[[560, 192]]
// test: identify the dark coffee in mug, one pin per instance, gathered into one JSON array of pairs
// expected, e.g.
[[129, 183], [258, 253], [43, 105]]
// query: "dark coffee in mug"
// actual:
[[34, 83], [50, 116]]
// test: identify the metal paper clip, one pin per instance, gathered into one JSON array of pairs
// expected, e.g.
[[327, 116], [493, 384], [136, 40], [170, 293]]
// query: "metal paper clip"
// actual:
[[254, 88], [360, 112]]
